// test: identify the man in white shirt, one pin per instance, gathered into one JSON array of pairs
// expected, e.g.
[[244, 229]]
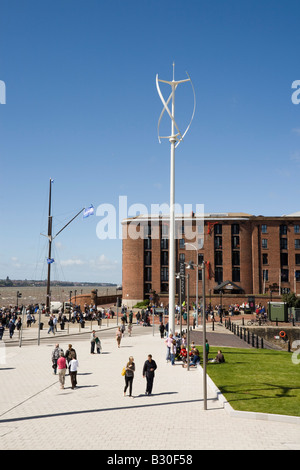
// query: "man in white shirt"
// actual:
[[73, 366]]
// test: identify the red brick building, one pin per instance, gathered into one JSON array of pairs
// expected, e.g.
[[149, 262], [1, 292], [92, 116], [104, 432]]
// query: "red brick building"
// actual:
[[245, 255]]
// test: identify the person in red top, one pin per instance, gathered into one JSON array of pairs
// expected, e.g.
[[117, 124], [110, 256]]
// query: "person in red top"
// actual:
[[61, 365], [183, 355]]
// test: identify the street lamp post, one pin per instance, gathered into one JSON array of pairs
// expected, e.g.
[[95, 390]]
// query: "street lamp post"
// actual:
[[197, 280], [188, 321], [191, 265], [204, 341]]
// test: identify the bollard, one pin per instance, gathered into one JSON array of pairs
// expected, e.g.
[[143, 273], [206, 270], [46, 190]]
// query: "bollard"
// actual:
[[256, 341], [262, 343], [248, 335], [213, 325]]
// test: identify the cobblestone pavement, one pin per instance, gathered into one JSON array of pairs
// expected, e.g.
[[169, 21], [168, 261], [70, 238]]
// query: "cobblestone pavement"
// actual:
[[36, 414]]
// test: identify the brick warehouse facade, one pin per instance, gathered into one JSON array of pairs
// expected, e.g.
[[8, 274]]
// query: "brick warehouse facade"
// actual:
[[245, 255]]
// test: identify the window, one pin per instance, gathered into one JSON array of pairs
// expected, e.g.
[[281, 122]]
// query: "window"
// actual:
[[165, 257], [181, 243], [200, 258], [201, 227], [147, 258], [297, 244], [297, 275], [265, 258], [164, 274], [265, 274], [235, 229], [284, 259], [264, 229], [200, 275], [285, 290], [219, 275], [164, 243], [181, 257], [283, 243], [218, 229], [218, 242], [147, 288], [297, 258], [235, 242], [296, 228], [264, 243], [283, 230], [148, 274], [164, 287], [236, 274], [147, 230], [218, 258], [147, 244], [285, 275], [235, 258], [164, 230]]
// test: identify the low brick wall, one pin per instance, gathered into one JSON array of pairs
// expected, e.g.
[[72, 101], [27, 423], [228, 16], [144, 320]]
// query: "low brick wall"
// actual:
[[93, 299], [268, 333]]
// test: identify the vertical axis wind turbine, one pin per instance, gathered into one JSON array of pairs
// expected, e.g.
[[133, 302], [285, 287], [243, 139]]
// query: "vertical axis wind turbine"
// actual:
[[174, 139]]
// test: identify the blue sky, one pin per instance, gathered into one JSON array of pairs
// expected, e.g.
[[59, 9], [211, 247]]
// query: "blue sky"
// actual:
[[82, 108]]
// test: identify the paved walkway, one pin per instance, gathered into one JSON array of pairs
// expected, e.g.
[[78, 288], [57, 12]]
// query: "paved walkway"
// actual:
[[36, 414]]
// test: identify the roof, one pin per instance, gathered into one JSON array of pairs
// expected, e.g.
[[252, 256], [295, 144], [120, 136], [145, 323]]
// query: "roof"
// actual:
[[228, 285]]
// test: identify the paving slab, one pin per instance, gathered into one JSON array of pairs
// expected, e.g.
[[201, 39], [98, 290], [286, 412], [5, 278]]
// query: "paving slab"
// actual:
[[35, 414]]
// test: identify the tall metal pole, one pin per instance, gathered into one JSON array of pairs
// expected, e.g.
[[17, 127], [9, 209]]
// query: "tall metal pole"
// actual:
[[204, 341], [174, 140], [188, 322], [172, 219], [49, 250], [197, 280]]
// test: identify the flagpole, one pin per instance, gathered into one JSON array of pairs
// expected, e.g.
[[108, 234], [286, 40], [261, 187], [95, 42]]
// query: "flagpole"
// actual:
[[49, 249]]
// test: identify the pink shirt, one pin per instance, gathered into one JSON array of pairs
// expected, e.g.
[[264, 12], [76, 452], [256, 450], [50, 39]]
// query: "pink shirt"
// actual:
[[61, 362]]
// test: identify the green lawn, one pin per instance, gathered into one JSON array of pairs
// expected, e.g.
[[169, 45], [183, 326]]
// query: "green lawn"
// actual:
[[259, 380]]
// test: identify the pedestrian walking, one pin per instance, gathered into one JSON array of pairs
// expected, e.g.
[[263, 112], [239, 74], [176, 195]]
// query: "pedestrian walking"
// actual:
[[129, 375], [73, 372], [61, 366], [168, 343], [54, 323], [93, 341], [1, 331], [206, 349], [162, 329], [118, 336], [51, 325], [129, 329], [149, 372], [173, 352], [11, 327], [69, 355], [98, 345], [55, 356]]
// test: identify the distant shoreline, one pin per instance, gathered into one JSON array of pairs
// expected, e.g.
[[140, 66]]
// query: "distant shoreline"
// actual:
[[59, 293]]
